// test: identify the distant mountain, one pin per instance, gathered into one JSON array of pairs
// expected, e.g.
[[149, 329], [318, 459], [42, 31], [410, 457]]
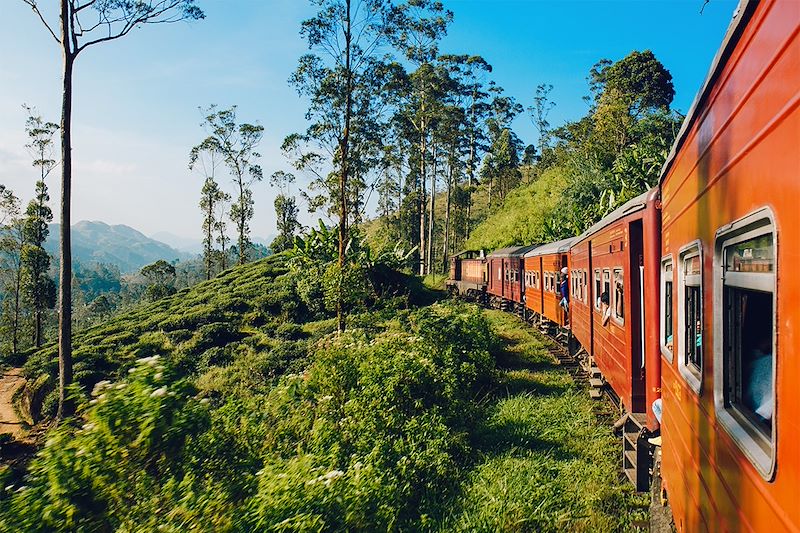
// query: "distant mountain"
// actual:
[[120, 245], [183, 244], [195, 246]]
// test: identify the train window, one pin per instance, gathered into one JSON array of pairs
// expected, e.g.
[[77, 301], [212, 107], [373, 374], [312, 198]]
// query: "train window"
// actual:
[[690, 316], [598, 289], [607, 283], [619, 296], [745, 387], [666, 308]]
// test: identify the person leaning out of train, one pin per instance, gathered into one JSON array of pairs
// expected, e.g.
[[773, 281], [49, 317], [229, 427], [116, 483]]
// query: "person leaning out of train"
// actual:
[[564, 290], [606, 307]]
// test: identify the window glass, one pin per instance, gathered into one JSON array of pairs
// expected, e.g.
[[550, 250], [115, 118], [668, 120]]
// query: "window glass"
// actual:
[[693, 327], [753, 255], [748, 330], [619, 295], [607, 282], [691, 265], [667, 339]]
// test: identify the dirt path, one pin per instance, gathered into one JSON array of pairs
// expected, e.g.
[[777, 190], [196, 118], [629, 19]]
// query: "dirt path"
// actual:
[[10, 381]]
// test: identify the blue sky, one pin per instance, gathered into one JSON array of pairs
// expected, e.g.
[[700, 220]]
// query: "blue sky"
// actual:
[[136, 99]]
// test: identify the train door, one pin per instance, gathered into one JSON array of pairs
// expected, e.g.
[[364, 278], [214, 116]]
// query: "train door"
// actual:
[[637, 318]]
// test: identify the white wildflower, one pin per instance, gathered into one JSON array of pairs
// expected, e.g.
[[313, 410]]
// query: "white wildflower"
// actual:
[[120, 386], [88, 427], [204, 401], [158, 376], [150, 361], [158, 392], [100, 386], [331, 476], [326, 398]]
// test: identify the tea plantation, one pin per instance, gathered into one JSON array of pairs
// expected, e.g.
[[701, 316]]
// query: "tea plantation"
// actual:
[[231, 406]]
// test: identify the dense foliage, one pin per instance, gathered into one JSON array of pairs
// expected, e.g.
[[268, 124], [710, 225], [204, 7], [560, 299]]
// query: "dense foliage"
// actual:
[[369, 435], [589, 167]]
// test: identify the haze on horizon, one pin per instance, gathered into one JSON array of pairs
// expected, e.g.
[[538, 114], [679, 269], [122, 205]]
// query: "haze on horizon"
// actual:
[[136, 100]]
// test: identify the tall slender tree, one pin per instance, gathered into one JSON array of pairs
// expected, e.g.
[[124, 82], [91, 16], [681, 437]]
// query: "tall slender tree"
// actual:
[[236, 145], [205, 157], [341, 77], [11, 244], [418, 26], [74, 34], [285, 211], [38, 288]]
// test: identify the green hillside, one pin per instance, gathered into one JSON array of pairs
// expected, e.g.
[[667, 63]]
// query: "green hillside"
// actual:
[[232, 407]]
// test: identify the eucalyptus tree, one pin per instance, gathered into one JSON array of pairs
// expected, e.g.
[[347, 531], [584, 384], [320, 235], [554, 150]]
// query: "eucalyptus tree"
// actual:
[[81, 25], [206, 158], [539, 111], [417, 28], [286, 211], [341, 77], [11, 243], [39, 290], [471, 73], [236, 145]]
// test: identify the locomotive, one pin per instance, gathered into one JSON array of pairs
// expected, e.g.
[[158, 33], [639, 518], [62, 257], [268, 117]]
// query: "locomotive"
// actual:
[[685, 298]]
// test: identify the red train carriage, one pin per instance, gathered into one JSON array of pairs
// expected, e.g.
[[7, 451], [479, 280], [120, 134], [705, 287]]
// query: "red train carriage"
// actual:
[[468, 273], [615, 268], [618, 256], [730, 324], [505, 274], [547, 260]]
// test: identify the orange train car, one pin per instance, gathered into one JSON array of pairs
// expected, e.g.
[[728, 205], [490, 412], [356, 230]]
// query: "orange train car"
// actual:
[[546, 262], [618, 259], [468, 273], [730, 323], [505, 274]]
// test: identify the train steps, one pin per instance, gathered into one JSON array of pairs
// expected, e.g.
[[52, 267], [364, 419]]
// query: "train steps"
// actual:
[[636, 451]]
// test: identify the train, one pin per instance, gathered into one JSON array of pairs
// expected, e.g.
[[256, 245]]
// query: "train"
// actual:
[[684, 302]]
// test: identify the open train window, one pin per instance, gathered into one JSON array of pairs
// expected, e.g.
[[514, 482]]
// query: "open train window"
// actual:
[[584, 293], [746, 356], [598, 290], [666, 332], [690, 315], [619, 296]]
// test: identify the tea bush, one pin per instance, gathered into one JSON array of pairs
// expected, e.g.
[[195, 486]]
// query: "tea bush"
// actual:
[[369, 432]]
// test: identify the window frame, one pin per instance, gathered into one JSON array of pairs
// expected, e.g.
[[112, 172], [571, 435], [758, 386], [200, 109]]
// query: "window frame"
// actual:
[[662, 329], [762, 452], [598, 286], [617, 318], [691, 374]]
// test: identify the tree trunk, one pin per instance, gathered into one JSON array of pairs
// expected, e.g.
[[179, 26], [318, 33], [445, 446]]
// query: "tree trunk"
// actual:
[[431, 217], [446, 247], [422, 197], [17, 290], [344, 148], [470, 167], [209, 238], [65, 270], [241, 222]]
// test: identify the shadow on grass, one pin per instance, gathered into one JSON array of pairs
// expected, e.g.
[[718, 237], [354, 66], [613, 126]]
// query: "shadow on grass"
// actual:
[[513, 437]]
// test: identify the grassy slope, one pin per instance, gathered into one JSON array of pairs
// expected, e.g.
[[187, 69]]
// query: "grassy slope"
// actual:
[[242, 310], [547, 462]]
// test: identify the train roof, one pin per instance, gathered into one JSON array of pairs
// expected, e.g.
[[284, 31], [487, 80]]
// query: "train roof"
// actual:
[[512, 251], [469, 254], [740, 18], [556, 247], [631, 206]]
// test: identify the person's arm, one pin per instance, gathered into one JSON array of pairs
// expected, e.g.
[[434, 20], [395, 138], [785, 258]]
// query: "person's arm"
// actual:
[[606, 315]]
